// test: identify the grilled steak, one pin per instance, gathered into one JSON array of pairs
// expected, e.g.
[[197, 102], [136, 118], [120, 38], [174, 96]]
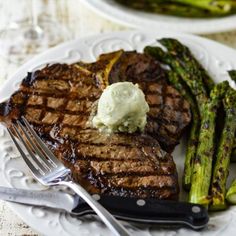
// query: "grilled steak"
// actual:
[[169, 112], [57, 101]]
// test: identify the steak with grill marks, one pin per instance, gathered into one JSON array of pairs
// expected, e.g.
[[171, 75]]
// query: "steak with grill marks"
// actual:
[[57, 101]]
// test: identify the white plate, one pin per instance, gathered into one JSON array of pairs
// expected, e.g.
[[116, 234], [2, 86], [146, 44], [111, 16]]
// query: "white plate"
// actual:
[[13, 172], [143, 20]]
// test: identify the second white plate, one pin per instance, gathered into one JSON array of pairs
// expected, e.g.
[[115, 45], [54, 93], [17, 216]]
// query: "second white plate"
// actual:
[[143, 20]]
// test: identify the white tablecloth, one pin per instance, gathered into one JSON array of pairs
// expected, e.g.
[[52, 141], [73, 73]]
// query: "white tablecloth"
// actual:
[[82, 22]]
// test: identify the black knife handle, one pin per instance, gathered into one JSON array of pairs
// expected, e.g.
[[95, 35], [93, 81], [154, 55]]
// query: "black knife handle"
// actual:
[[151, 211]]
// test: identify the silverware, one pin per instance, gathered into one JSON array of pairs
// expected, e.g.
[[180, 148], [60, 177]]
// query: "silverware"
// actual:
[[168, 213], [49, 171]]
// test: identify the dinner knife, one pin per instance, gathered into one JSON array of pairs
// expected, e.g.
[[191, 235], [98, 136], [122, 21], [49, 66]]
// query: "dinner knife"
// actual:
[[148, 211]]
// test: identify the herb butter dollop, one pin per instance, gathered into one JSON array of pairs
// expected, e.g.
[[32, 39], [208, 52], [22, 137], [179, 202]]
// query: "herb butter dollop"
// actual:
[[121, 108]]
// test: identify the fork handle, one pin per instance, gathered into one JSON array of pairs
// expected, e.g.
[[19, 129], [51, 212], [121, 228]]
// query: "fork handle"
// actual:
[[115, 226]]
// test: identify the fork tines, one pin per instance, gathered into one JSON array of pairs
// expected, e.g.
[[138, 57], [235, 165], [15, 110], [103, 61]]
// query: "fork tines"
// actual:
[[42, 157]]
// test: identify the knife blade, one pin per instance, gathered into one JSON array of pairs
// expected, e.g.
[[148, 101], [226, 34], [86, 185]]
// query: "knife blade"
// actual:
[[148, 211]]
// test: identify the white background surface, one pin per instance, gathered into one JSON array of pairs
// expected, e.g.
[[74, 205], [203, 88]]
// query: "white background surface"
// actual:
[[82, 22]]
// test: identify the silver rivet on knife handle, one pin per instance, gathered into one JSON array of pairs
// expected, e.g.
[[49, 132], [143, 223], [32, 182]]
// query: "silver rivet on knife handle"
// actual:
[[141, 202], [96, 197], [196, 209]]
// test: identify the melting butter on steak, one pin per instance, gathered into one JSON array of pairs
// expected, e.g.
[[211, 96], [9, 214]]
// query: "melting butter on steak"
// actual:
[[57, 101]]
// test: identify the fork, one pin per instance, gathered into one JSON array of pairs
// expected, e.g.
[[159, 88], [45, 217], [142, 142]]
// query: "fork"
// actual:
[[49, 171]]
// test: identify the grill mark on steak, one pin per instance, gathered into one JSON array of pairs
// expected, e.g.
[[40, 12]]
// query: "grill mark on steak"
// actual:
[[116, 152], [144, 181], [75, 107], [71, 96], [131, 168], [80, 148], [92, 95], [142, 189]]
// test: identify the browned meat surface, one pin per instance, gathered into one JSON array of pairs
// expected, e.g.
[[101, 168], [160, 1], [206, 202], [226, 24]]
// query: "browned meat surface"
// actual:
[[169, 112], [57, 102]]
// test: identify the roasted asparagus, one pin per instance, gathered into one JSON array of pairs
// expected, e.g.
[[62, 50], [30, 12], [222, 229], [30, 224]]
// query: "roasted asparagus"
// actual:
[[220, 173], [202, 168], [184, 55]]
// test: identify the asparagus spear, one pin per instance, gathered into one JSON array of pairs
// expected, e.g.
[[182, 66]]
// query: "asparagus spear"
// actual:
[[184, 54], [201, 176], [184, 68], [178, 83], [231, 193], [217, 6], [220, 173]]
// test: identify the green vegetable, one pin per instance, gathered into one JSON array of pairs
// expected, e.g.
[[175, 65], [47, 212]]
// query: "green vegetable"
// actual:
[[185, 56], [201, 176], [220, 173], [180, 64], [231, 193], [184, 8], [216, 6]]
